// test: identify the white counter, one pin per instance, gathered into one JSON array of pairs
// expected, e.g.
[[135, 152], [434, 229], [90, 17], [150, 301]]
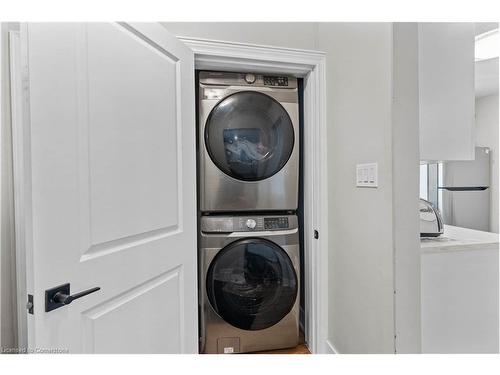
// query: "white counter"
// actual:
[[459, 239], [459, 292]]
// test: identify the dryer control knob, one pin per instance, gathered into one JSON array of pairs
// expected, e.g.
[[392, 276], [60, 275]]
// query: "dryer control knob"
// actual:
[[250, 78], [251, 224]]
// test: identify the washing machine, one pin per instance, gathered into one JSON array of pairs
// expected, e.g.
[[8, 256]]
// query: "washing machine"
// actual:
[[249, 283], [248, 142]]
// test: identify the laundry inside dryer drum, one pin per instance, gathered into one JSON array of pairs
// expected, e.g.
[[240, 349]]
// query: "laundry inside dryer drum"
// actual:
[[249, 136], [252, 284]]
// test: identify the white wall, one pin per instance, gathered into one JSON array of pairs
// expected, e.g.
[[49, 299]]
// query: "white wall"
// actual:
[[359, 115], [487, 136], [359, 94], [301, 35], [8, 310]]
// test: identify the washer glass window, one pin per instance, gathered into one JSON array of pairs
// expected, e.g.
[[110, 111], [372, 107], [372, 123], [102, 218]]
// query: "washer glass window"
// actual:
[[252, 284], [249, 136]]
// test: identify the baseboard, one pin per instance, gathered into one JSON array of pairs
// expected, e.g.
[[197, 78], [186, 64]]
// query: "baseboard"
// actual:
[[330, 349]]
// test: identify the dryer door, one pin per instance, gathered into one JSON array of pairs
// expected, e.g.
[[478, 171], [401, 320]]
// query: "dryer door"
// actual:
[[252, 284], [249, 136]]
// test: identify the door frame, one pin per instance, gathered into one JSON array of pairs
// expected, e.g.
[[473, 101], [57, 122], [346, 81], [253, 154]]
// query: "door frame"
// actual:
[[309, 65], [21, 183]]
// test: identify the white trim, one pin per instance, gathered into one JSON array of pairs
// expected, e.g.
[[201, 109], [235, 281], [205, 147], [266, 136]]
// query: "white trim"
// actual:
[[2, 124], [230, 56], [16, 118], [21, 149], [216, 54]]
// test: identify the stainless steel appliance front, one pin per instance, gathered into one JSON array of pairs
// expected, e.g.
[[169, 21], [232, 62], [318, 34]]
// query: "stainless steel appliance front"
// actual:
[[248, 142], [249, 283], [431, 222]]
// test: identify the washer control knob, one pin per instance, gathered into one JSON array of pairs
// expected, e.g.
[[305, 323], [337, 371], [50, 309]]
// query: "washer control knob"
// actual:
[[251, 224], [250, 78]]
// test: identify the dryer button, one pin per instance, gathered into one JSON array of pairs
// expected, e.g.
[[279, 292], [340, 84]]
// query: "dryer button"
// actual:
[[251, 224]]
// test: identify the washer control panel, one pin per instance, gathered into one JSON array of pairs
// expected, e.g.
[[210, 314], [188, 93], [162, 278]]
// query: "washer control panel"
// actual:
[[275, 223], [228, 224]]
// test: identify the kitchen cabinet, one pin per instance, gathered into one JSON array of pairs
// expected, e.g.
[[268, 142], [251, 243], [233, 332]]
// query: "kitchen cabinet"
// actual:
[[446, 91], [459, 292]]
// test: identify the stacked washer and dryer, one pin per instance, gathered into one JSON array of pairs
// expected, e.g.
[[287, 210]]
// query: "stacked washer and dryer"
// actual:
[[249, 239]]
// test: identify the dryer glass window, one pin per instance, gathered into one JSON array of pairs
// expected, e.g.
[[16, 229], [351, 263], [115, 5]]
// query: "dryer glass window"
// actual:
[[249, 136], [252, 284]]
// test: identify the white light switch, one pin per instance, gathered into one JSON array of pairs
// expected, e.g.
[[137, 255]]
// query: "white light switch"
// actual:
[[367, 175]]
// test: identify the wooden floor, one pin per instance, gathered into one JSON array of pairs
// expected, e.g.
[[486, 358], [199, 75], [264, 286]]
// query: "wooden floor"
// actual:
[[300, 349]]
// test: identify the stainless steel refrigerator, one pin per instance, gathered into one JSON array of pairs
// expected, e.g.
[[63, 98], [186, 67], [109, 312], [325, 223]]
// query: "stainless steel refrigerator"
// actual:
[[465, 187]]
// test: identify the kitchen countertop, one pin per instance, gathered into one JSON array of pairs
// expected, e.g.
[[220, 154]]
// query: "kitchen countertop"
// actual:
[[459, 239]]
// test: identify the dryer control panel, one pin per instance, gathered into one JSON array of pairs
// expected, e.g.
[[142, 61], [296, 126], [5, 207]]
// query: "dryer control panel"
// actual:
[[276, 223], [227, 224]]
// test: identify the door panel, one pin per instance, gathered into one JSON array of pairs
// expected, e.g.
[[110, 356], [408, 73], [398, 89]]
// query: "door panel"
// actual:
[[121, 99], [111, 126], [109, 319]]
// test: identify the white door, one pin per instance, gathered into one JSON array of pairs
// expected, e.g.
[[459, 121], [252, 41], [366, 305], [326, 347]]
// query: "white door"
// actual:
[[109, 148]]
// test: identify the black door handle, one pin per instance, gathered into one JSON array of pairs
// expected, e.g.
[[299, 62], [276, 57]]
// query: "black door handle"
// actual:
[[60, 296], [67, 299]]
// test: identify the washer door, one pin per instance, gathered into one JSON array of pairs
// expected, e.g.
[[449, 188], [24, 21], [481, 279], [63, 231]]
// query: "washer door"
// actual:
[[249, 136], [252, 284]]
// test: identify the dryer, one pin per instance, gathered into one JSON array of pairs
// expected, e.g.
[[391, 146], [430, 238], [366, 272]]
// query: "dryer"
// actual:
[[249, 283], [248, 142]]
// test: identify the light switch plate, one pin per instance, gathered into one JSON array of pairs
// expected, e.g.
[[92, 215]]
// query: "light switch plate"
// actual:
[[367, 175]]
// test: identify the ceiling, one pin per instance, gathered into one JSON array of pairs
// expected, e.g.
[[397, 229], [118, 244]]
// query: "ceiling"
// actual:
[[486, 74]]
